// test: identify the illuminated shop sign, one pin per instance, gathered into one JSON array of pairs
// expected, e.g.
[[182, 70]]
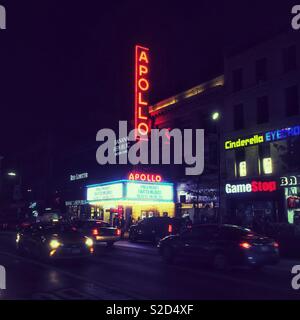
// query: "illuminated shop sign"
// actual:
[[141, 90], [79, 176], [144, 177], [149, 192], [269, 136], [289, 181], [252, 187], [105, 192]]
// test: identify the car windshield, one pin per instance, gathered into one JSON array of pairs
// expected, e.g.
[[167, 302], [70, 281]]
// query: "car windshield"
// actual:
[[57, 228], [235, 233]]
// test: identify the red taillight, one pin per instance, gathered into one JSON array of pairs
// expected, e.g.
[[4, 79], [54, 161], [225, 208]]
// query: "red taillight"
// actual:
[[95, 232], [275, 244], [245, 245], [118, 232], [170, 228]]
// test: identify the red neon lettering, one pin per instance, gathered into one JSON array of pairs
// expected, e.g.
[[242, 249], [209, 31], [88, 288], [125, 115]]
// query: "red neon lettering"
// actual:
[[263, 186], [142, 86], [144, 103], [143, 56], [145, 177], [143, 129], [143, 70], [140, 114]]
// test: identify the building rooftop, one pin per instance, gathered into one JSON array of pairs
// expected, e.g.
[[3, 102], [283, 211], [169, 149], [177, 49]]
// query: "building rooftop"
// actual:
[[195, 91]]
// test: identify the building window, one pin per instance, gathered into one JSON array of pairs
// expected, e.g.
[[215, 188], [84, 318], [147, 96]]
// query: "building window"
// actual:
[[261, 70], [265, 160], [292, 101], [267, 166], [289, 58], [237, 79], [262, 109], [241, 165], [238, 116], [243, 169]]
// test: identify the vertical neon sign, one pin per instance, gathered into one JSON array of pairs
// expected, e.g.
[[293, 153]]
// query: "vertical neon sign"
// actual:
[[141, 91]]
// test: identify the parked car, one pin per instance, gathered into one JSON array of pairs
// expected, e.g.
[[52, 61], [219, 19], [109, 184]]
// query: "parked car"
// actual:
[[222, 246], [155, 228], [14, 223], [53, 241], [99, 231]]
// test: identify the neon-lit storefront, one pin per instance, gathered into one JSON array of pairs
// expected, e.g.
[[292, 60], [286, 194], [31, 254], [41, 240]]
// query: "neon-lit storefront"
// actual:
[[131, 198]]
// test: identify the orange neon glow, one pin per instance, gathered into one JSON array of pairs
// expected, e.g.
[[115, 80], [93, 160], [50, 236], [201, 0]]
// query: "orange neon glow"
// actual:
[[142, 85], [143, 129], [143, 70], [141, 102], [144, 177]]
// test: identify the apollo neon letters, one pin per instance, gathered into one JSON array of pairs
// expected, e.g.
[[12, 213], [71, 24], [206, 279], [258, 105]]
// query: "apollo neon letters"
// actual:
[[145, 177], [252, 187], [142, 86]]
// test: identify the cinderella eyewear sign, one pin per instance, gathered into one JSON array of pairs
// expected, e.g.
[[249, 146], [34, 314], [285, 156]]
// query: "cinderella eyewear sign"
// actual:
[[269, 136], [149, 191]]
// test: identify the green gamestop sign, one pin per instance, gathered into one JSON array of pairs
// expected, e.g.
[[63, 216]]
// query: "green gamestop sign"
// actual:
[[269, 136]]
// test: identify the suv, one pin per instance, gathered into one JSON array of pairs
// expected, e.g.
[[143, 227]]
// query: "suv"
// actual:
[[155, 228]]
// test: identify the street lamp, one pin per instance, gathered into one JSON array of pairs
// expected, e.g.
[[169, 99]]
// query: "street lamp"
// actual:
[[215, 116], [11, 174]]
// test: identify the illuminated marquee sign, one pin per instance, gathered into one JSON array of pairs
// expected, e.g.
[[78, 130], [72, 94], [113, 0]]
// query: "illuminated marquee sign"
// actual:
[[105, 192], [141, 91], [289, 181], [79, 176], [269, 136], [145, 177], [149, 192], [252, 187]]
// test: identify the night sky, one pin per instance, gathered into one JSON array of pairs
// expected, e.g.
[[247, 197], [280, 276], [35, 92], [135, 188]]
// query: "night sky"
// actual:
[[67, 68]]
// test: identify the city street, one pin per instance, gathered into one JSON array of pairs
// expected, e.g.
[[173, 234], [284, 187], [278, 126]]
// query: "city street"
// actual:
[[135, 271]]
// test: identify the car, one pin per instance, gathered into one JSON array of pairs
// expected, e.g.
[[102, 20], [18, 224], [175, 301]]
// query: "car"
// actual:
[[99, 231], [53, 241], [153, 229], [222, 246]]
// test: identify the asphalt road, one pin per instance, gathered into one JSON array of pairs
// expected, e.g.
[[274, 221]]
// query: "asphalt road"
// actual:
[[135, 271]]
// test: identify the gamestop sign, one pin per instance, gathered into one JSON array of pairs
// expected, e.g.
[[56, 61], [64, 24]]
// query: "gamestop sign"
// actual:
[[252, 187]]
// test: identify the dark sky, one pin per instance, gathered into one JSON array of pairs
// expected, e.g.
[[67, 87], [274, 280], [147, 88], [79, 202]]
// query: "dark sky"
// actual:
[[67, 66]]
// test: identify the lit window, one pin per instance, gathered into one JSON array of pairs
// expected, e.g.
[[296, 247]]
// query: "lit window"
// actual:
[[243, 169], [267, 165]]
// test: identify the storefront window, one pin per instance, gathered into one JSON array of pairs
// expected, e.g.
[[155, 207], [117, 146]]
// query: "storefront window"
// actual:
[[267, 165], [292, 195]]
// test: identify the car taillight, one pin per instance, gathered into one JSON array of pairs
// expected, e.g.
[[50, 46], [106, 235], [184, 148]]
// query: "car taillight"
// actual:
[[275, 244], [95, 232], [118, 232], [245, 245], [170, 228]]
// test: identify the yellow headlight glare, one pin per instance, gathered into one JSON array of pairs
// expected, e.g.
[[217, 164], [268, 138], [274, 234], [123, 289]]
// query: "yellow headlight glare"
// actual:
[[89, 242], [54, 244]]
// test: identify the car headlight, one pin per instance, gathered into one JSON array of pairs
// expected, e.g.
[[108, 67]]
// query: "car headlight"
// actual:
[[54, 244], [89, 242]]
